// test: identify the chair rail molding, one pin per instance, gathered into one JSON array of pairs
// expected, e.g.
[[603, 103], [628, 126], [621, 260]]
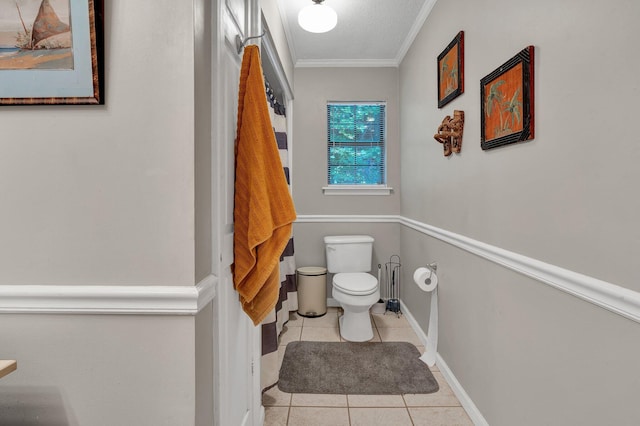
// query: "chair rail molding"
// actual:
[[103, 299], [614, 298]]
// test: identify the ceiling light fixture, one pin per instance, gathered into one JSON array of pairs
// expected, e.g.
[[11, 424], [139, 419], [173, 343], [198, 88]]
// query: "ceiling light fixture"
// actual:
[[317, 18]]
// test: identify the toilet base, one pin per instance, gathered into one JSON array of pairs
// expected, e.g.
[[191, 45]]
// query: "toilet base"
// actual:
[[356, 326]]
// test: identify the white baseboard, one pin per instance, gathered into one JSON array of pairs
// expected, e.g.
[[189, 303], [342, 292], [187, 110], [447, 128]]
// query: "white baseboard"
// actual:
[[466, 402], [476, 416]]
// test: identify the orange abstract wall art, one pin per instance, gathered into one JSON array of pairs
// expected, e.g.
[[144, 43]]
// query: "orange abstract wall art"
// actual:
[[448, 73], [503, 108], [451, 71], [507, 113]]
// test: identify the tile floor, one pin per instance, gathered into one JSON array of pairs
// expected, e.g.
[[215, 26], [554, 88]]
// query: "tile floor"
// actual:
[[440, 408]]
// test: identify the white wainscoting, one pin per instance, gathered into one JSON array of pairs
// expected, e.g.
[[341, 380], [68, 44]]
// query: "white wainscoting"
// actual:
[[612, 297], [86, 299], [188, 300]]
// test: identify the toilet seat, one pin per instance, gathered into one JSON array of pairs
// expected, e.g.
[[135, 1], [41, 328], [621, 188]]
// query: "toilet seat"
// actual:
[[355, 283]]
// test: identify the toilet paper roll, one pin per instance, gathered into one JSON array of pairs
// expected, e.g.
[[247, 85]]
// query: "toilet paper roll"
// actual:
[[425, 279]]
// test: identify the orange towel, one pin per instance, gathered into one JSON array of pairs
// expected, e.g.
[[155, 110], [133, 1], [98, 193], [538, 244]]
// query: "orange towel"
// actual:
[[263, 212]]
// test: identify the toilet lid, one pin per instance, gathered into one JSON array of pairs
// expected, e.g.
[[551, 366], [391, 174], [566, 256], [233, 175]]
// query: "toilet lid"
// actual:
[[356, 283]]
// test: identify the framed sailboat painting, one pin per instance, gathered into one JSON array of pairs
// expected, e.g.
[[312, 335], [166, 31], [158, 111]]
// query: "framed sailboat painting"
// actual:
[[51, 52]]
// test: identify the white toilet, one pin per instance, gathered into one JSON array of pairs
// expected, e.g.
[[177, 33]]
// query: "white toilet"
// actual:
[[349, 258]]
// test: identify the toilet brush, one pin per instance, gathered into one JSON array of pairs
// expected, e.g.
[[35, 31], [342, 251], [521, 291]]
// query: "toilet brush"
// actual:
[[379, 277]]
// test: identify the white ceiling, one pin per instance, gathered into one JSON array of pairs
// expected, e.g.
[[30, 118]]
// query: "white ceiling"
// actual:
[[369, 32]]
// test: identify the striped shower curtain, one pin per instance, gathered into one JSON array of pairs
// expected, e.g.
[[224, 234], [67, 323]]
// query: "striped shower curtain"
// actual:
[[288, 299]]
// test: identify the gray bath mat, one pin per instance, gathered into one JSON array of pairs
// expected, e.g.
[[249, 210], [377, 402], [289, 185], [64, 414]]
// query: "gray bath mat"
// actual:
[[373, 368]]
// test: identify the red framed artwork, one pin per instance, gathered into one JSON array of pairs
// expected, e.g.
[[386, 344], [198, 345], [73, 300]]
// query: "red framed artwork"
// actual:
[[507, 113], [451, 71]]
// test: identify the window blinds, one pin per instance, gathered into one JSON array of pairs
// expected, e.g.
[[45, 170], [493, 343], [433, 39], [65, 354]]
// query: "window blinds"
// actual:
[[356, 143]]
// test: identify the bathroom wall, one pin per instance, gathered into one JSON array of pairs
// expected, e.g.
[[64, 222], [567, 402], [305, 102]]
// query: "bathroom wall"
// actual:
[[272, 16], [105, 196], [202, 139], [313, 88], [204, 15], [205, 396], [309, 244], [527, 353], [98, 370]]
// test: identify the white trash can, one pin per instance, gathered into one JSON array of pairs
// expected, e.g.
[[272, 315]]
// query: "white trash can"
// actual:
[[312, 291]]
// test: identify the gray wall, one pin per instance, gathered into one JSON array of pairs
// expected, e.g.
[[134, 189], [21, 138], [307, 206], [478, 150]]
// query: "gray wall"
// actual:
[[106, 195], [314, 87], [202, 143], [204, 367], [564, 197], [97, 370], [203, 238], [272, 16], [526, 353]]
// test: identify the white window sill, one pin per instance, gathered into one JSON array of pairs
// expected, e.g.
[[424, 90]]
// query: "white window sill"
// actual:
[[357, 190]]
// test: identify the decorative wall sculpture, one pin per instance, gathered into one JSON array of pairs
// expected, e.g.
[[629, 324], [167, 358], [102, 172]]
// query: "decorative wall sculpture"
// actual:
[[450, 133]]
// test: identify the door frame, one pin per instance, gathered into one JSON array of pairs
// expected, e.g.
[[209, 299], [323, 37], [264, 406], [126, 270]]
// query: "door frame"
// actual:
[[225, 28]]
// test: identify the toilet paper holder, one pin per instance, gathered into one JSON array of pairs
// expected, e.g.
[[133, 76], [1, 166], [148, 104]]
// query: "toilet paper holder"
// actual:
[[432, 267]]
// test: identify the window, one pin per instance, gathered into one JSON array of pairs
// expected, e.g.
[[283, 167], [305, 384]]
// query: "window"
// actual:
[[356, 154]]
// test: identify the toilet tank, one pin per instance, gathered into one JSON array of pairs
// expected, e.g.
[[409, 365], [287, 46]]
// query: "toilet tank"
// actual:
[[348, 253]]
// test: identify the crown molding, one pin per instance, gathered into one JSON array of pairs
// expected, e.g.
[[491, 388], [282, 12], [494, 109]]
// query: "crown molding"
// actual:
[[415, 29], [346, 63]]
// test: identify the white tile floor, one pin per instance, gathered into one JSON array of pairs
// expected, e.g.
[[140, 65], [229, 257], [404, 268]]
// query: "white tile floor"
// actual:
[[439, 408]]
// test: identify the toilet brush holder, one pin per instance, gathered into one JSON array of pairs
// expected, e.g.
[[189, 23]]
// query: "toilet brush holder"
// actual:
[[393, 305]]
